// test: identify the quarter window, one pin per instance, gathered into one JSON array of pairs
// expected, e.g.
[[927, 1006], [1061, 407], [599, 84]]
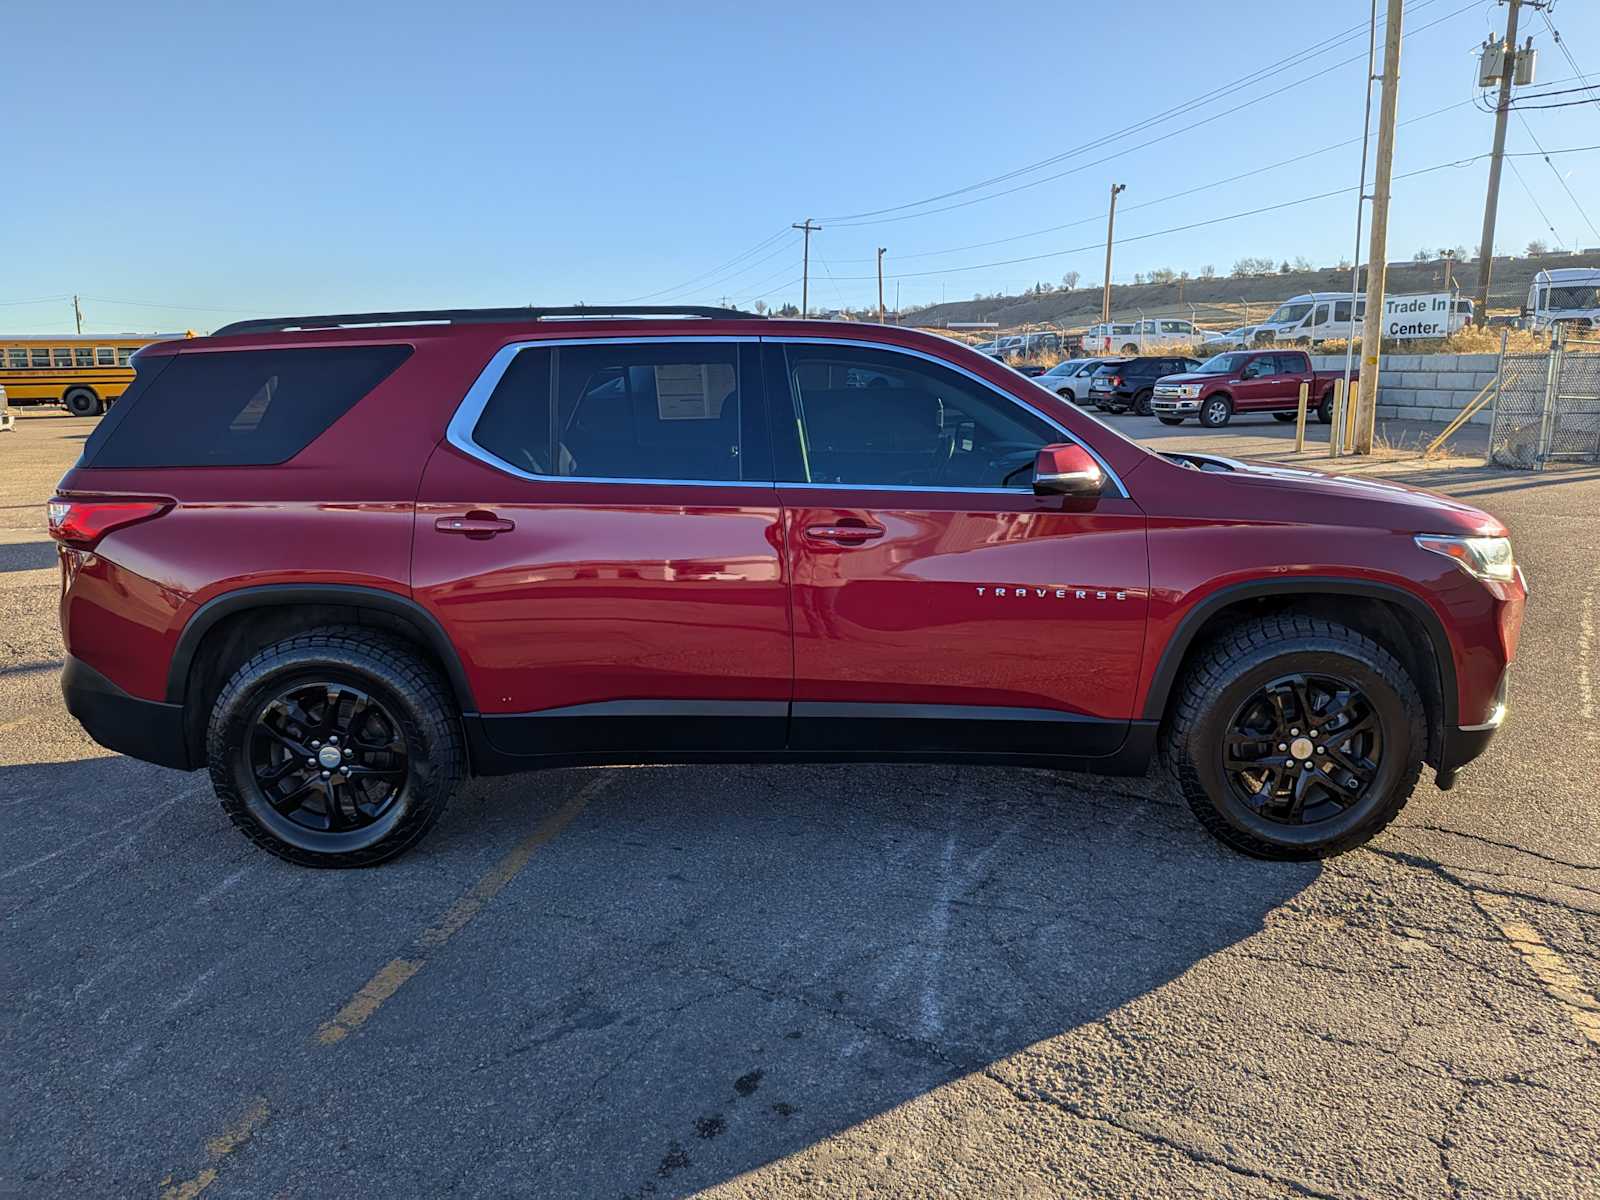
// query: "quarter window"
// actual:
[[868, 416], [619, 411]]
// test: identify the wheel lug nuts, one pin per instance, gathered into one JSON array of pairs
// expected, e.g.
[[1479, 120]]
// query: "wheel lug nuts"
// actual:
[[1320, 750], [325, 774], [349, 753], [311, 762], [315, 744], [1288, 762], [1292, 733], [346, 770], [333, 741], [1283, 745]]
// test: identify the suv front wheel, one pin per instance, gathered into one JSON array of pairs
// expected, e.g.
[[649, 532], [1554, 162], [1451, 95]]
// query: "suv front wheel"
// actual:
[[1293, 737], [1215, 412], [335, 748]]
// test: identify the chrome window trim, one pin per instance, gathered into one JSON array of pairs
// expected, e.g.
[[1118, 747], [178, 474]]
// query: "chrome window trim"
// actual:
[[459, 432], [465, 419]]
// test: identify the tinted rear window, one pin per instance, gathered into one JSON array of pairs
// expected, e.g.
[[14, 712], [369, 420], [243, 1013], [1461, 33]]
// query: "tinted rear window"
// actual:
[[236, 408]]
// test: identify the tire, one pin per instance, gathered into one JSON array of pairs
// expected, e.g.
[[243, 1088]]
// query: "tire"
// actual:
[[1141, 403], [1325, 409], [1170, 420], [1066, 394], [82, 402], [1130, 348], [406, 705], [1285, 416], [1216, 412], [1222, 692]]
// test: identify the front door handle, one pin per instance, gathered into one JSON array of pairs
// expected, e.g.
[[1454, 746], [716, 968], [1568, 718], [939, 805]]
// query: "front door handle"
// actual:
[[845, 535], [475, 525]]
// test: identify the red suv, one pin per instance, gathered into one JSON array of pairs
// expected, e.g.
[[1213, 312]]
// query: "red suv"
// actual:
[[342, 562]]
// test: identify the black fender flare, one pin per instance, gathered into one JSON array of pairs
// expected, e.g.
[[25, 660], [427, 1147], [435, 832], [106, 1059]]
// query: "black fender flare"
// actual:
[[356, 596], [1172, 655]]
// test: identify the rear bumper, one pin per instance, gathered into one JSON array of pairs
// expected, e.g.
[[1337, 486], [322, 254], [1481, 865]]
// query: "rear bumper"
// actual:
[[147, 729]]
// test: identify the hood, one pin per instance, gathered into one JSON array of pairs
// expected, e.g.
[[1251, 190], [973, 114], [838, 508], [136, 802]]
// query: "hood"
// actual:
[[1192, 377], [1349, 499]]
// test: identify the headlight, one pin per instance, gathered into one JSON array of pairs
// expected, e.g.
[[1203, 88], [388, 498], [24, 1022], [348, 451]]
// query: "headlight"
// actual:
[[1189, 390], [1486, 558]]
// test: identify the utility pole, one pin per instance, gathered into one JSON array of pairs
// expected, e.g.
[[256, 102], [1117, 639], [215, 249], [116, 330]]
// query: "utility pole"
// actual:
[[1491, 203], [77, 314], [880, 284], [1378, 247], [1111, 226], [805, 268]]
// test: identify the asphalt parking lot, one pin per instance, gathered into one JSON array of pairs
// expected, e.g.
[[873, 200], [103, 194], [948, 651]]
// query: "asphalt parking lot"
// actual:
[[814, 981]]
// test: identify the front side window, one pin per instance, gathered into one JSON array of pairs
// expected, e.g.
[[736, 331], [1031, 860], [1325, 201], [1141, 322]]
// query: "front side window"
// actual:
[[1289, 314], [620, 411], [928, 427]]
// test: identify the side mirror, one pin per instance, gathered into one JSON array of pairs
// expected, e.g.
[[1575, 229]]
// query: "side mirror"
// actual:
[[1066, 470]]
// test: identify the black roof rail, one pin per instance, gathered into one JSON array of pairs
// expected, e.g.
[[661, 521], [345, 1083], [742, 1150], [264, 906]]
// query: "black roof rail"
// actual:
[[468, 316]]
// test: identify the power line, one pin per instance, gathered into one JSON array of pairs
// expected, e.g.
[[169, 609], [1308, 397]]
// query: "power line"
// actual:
[[848, 223], [1461, 162], [757, 248], [1561, 43], [1559, 179], [1256, 76], [1539, 208]]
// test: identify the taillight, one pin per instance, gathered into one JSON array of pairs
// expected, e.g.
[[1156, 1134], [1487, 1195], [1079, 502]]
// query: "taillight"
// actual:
[[1115, 381], [83, 521]]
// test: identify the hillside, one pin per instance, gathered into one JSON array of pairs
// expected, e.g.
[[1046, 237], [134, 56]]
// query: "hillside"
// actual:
[[1233, 300]]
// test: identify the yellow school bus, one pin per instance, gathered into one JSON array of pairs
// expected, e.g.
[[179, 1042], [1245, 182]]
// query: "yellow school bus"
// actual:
[[84, 372]]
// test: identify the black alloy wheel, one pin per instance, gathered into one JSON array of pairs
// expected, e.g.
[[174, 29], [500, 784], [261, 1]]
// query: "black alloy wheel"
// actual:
[[1303, 749], [1141, 403], [327, 756]]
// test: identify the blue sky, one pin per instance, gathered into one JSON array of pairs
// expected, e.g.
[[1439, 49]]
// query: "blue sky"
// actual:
[[226, 159]]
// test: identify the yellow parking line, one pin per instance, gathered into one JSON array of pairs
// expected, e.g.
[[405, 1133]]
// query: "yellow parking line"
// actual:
[[393, 974], [391, 977], [217, 1149], [1551, 969]]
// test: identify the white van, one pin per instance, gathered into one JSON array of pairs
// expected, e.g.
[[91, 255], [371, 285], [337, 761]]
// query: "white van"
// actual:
[[1565, 295], [1140, 337], [1325, 317]]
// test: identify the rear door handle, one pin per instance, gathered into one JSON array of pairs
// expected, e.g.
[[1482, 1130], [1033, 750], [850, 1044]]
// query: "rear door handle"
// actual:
[[847, 535], [478, 525]]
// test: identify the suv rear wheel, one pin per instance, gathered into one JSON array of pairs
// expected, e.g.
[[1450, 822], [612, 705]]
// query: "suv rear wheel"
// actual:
[[1214, 413], [1141, 402], [335, 748], [1295, 738]]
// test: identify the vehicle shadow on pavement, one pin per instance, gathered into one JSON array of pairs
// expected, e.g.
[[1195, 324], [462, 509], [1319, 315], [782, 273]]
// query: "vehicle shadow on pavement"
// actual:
[[27, 556], [708, 970]]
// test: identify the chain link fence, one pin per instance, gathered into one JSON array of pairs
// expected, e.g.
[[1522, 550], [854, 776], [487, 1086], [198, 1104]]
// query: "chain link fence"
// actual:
[[1547, 405]]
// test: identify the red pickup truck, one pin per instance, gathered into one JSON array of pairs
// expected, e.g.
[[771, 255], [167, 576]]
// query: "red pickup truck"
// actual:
[[1245, 381]]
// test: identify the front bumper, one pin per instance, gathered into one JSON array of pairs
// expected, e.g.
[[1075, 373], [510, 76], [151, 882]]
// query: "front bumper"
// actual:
[[1169, 407], [147, 729], [1466, 742]]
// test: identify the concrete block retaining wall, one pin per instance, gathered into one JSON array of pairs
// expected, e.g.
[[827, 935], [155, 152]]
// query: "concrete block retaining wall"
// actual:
[[1426, 387]]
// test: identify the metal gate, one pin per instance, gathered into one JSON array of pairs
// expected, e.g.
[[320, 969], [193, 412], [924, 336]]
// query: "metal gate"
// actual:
[[1547, 404]]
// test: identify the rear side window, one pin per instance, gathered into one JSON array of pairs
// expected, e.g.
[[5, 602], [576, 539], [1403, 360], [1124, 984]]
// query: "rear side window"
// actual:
[[238, 408], [640, 411]]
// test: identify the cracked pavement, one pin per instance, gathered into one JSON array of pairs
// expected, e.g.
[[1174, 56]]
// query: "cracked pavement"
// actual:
[[809, 981]]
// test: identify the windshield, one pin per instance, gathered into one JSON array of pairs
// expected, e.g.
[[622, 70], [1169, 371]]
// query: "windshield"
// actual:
[[1064, 368], [1221, 364], [1288, 314], [1579, 297]]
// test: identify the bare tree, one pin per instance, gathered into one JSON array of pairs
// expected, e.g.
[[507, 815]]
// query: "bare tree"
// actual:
[[1069, 280], [1208, 272], [1538, 247], [760, 306]]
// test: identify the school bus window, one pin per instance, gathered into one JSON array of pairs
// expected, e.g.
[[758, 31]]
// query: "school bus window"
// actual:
[[105, 356], [83, 356], [62, 356], [123, 354], [41, 357], [19, 356]]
